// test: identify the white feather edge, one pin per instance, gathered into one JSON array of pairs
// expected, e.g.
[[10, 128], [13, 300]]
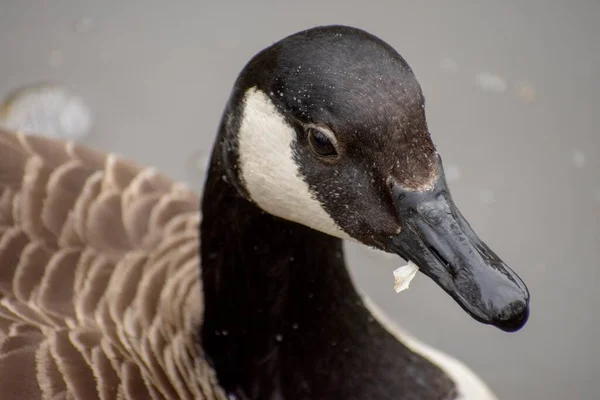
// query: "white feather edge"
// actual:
[[469, 385]]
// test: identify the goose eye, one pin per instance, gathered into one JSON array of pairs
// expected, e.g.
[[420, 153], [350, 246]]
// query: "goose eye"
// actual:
[[320, 143]]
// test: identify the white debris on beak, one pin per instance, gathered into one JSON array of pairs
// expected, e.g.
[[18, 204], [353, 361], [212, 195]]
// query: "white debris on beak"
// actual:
[[403, 276]]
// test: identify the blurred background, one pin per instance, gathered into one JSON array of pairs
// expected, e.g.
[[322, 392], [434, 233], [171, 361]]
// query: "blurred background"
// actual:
[[513, 99]]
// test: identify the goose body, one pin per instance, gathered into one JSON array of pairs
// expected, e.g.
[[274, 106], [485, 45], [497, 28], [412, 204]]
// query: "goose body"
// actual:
[[109, 289], [99, 277]]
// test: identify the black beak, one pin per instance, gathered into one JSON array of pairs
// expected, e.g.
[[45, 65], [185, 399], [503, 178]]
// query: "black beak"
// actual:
[[437, 238]]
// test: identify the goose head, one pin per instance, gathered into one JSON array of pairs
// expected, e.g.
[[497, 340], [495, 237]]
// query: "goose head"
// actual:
[[327, 128]]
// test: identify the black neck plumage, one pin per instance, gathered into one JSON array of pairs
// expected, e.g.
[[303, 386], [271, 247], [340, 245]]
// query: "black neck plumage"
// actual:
[[282, 317]]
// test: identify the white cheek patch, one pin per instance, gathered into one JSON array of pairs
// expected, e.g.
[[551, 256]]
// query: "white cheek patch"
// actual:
[[268, 169]]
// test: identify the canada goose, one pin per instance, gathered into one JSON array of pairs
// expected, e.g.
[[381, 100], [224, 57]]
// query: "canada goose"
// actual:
[[324, 138]]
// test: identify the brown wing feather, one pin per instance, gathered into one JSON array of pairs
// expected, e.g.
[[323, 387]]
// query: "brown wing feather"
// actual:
[[99, 289]]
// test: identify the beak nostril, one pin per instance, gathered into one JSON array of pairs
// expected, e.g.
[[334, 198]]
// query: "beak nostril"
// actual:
[[443, 260]]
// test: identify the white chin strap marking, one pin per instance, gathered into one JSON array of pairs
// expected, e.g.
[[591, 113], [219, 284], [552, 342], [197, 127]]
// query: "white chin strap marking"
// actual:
[[268, 169]]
